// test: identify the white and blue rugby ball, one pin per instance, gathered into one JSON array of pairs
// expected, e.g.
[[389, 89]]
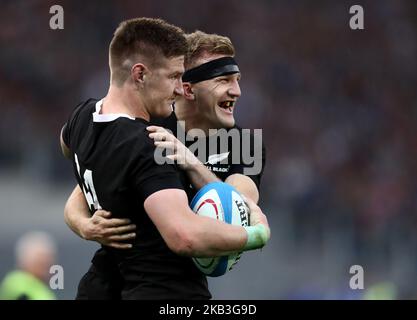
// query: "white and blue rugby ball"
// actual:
[[219, 200]]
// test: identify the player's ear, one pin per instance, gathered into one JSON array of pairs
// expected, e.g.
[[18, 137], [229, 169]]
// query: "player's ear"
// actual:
[[188, 91], [138, 73]]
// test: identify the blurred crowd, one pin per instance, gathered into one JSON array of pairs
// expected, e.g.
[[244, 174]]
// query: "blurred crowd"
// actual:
[[338, 109]]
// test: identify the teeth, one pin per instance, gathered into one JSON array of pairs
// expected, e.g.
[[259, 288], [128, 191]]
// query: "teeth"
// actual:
[[227, 104]]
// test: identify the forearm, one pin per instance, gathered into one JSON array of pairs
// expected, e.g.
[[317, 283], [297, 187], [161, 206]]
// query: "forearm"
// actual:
[[199, 175], [244, 185], [189, 234], [213, 238], [76, 212], [209, 238]]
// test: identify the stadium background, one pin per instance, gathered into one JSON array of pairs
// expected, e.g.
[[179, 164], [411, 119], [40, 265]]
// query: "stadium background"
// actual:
[[337, 108]]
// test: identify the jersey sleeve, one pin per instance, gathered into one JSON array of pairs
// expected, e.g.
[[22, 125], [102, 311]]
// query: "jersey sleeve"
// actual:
[[253, 169], [69, 125], [149, 177]]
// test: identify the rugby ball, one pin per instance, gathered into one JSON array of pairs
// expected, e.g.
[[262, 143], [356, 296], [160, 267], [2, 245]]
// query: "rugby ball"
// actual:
[[221, 201]]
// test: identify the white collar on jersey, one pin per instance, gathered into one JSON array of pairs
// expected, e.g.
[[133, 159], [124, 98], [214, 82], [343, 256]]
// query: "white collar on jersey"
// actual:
[[97, 117]]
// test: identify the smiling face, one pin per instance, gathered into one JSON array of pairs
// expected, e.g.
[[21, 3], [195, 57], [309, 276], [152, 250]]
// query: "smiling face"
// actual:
[[216, 98], [163, 85]]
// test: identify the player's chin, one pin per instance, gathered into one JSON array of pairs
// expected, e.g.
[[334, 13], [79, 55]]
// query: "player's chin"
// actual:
[[228, 123], [225, 120]]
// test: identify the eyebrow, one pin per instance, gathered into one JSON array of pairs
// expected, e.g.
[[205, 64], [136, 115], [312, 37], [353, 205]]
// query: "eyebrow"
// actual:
[[176, 73]]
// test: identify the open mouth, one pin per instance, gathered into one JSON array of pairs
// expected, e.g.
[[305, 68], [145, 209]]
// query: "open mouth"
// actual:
[[227, 105]]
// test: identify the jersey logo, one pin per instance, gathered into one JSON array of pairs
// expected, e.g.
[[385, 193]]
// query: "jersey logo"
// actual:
[[216, 158]]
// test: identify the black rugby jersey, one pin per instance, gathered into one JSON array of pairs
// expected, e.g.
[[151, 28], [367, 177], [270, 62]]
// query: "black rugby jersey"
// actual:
[[113, 160], [244, 153]]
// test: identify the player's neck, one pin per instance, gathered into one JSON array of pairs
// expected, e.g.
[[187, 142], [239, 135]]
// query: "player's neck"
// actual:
[[124, 100], [187, 112]]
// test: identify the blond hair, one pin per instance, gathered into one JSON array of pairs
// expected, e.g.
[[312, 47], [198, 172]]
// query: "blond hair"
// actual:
[[200, 43]]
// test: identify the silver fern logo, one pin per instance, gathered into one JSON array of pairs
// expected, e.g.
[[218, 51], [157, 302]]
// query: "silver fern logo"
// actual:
[[216, 158]]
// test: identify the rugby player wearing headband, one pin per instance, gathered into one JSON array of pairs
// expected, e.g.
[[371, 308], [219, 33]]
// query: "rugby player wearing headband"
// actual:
[[211, 90], [210, 93]]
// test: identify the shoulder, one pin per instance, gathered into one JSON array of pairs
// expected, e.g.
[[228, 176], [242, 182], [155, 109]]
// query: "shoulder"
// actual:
[[133, 133], [86, 107], [249, 157], [128, 141], [250, 138], [77, 120], [164, 121], [9, 285], [18, 283], [169, 123], [253, 133]]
